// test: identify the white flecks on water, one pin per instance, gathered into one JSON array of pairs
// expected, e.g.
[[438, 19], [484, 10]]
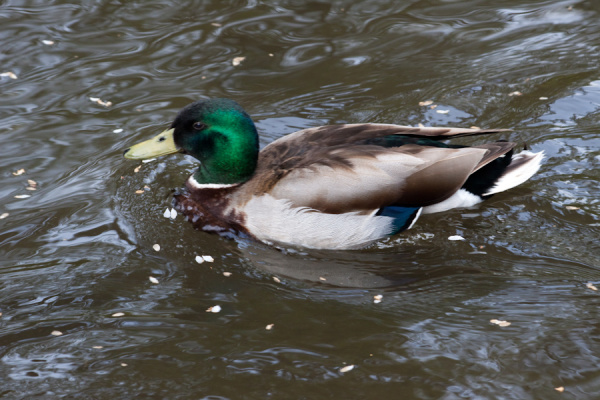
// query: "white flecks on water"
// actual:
[[56, 333], [199, 259], [118, 314], [456, 237], [153, 280], [237, 61], [377, 298], [214, 309], [156, 247], [167, 213], [269, 327], [500, 322], [208, 258], [4, 215], [9, 74], [101, 102], [118, 130], [173, 213], [347, 368]]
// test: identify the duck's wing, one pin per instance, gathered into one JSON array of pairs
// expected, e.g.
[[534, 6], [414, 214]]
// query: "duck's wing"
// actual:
[[346, 168]]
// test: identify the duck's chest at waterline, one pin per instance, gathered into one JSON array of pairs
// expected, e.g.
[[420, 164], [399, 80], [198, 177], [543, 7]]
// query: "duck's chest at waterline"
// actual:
[[210, 210]]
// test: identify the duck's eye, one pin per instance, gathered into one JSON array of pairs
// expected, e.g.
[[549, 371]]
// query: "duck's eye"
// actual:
[[199, 126], [162, 139]]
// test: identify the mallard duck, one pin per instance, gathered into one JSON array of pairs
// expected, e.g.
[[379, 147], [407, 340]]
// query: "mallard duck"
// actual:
[[329, 187]]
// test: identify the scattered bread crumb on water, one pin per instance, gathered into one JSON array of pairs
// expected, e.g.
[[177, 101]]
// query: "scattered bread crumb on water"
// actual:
[[237, 61], [276, 279], [227, 274], [19, 172], [456, 237], [269, 327], [426, 103], [4, 215], [153, 280], [500, 322], [377, 298], [591, 286], [56, 333], [560, 389], [156, 247], [9, 74], [118, 314], [214, 309], [347, 368], [101, 102]]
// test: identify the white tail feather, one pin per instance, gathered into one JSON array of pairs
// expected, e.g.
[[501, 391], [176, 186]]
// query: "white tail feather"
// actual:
[[522, 167]]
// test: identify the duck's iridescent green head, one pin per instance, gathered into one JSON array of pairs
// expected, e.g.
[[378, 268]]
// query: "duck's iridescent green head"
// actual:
[[217, 132]]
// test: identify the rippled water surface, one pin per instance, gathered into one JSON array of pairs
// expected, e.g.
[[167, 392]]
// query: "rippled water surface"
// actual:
[[80, 317]]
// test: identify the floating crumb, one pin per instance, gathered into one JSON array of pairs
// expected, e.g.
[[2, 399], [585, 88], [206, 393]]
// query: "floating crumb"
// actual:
[[146, 161], [56, 333], [139, 191], [167, 213], [442, 111], [4, 215], [426, 103], [433, 107], [199, 259], [101, 102], [237, 61], [97, 347], [208, 259], [11, 75], [572, 208], [215, 24], [227, 274], [515, 93], [173, 213], [153, 279], [377, 298], [591, 286], [137, 169], [48, 42], [269, 327], [543, 98], [475, 127], [22, 196], [118, 130], [456, 237], [271, 54], [322, 278], [560, 389], [19, 172], [118, 314], [500, 322], [347, 368], [156, 247], [276, 279], [123, 364], [31, 182], [214, 309]]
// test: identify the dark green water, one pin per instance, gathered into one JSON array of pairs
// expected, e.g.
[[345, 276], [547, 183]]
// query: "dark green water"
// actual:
[[80, 250]]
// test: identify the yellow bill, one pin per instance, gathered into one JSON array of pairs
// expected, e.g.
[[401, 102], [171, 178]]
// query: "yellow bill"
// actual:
[[160, 145]]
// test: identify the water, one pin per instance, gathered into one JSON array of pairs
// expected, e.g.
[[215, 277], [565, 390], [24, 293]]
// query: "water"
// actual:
[[79, 250]]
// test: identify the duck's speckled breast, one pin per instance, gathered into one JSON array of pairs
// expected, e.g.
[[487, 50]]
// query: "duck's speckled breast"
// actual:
[[211, 210]]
